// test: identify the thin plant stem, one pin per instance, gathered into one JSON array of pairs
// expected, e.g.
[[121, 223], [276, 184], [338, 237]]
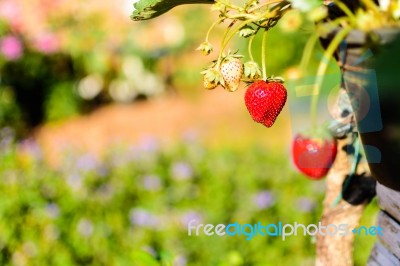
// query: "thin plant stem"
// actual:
[[263, 55], [371, 5], [307, 53], [249, 46], [265, 4], [241, 16], [212, 27], [308, 49], [230, 5], [323, 66], [225, 40], [346, 10], [222, 43]]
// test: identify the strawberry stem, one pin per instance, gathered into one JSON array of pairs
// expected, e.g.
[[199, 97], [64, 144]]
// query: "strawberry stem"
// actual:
[[249, 46], [267, 3], [308, 49], [346, 10], [372, 6], [242, 17], [222, 43], [225, 41], [212, 27], [263, 55], [307, 53], [230, 5], [323, 66]]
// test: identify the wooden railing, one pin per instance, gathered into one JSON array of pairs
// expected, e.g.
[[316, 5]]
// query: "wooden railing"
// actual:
[[386, 251]]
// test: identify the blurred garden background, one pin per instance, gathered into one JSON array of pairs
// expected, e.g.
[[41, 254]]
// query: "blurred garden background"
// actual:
[[109, 146]]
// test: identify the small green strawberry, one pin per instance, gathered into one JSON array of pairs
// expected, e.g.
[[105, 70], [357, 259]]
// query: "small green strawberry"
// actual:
[[209, 84], [231, 70], [212, 78], [206, 48]]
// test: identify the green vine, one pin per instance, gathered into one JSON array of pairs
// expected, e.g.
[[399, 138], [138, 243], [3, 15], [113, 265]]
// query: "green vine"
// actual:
[[334, 44], [263, 55]]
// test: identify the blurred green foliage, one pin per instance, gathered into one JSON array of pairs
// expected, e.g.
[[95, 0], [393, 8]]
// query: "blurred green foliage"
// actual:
[[68, 64], [69, 106], [104, 57], [132, 206], [284, 49]]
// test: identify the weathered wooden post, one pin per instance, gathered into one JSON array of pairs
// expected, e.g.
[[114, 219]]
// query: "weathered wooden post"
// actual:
[[386, 251], [341, 205], [369, 77], [338, 250], [378, 126]]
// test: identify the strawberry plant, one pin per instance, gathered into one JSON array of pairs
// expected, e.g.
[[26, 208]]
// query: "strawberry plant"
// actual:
[[335, 22], [367, 27], [228, 70]]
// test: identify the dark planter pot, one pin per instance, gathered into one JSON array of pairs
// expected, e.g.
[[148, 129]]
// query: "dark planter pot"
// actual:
[[371, 76]]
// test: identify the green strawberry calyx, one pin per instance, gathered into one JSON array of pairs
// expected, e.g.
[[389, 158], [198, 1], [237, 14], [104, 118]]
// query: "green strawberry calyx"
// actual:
[[251, 70], [213, 75], [275, 79], [318, 134]]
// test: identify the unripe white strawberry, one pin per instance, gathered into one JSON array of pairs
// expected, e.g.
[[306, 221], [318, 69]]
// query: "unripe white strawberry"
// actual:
[[231, 70]]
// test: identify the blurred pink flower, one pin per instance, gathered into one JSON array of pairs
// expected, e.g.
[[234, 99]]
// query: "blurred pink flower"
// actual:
[[189, 216], [85, 227], [181, 171], [11, 47], [9, 10], [305, 204], [152, 183], [31, 148], [264, 199], [46, 43], [142, 217], [11, 13]]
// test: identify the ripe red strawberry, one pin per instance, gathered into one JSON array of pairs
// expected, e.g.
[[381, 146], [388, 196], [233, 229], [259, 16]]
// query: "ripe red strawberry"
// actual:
[[265, 101], [231, 70], [314, 156]]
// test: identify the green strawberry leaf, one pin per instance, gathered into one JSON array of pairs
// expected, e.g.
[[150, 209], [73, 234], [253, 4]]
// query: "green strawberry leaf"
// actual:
[[147, 9]]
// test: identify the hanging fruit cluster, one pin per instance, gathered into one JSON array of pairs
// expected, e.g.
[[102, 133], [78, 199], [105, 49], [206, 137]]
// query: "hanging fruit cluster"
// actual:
[[265, 96]]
